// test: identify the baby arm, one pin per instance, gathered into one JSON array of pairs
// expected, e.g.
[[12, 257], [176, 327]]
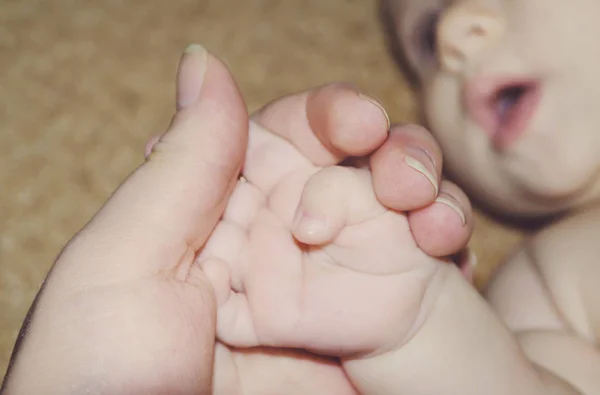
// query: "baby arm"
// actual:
[[547, 294], [539, 336], [349, 281], [458, 346]]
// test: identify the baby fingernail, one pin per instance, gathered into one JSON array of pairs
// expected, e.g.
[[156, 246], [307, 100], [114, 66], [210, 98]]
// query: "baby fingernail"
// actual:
[[306, 224], [453, 204], [419, 160], [378, 105]]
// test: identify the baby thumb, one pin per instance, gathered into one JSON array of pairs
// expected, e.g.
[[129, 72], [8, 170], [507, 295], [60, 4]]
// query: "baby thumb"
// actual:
[[332, 199]]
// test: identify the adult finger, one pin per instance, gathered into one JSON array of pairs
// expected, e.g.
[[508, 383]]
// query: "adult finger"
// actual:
[[445, 226], [407, 168], [328, 123], [164, 212]]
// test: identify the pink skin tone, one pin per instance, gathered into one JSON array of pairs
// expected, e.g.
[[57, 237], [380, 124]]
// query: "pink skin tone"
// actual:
[[127, 309], [482, 103], [253, 247], [433, 319], [357, 260], [529, 152], [526, 153], [184, 247], [132, 304]]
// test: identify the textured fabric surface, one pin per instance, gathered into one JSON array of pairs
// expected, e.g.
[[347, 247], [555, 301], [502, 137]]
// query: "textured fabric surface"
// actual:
[[83, 85]]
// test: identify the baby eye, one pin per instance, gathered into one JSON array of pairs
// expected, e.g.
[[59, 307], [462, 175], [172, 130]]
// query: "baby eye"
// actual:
[[426, 34]]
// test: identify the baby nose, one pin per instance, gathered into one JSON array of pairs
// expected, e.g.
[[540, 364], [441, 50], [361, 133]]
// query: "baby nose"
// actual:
[[464, 31]]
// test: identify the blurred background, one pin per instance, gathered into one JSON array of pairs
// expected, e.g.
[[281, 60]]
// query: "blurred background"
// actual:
[[84, 84]]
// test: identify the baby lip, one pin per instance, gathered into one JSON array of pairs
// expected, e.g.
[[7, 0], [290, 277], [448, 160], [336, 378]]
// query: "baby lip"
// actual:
[[502, 107]]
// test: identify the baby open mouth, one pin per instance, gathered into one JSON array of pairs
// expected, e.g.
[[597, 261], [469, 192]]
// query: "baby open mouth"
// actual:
[[507, 100], [503, 108]]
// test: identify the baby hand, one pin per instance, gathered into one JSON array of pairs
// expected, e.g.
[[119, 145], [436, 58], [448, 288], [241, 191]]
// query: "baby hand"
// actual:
[[307, 257]]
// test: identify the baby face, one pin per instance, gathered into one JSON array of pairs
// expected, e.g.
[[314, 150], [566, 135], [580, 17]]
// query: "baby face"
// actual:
[[511, 90]]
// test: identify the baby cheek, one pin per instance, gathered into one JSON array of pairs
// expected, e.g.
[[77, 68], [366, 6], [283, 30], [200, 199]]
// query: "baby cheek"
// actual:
[[442, 112]]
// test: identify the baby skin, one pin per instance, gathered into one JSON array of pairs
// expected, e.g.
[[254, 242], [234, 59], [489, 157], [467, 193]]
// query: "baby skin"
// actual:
[[510, 91], [295, 139], [306, 257]]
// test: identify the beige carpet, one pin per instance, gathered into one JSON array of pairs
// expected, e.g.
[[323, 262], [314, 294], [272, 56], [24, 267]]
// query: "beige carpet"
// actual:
[[83, 84]]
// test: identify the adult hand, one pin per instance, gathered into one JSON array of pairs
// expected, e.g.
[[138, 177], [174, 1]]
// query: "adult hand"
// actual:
[[126, 310]]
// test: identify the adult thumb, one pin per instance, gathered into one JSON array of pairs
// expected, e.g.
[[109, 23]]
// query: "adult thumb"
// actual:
[[165, 211]]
